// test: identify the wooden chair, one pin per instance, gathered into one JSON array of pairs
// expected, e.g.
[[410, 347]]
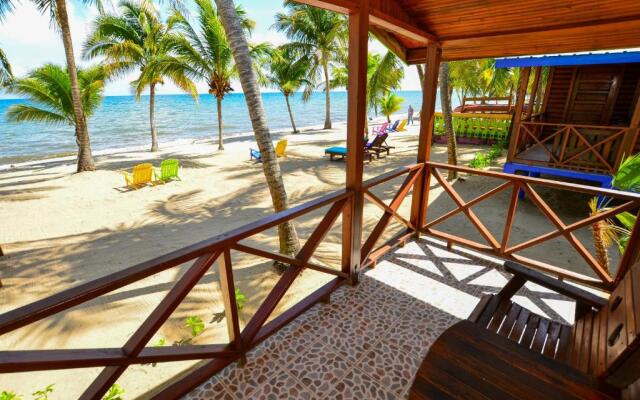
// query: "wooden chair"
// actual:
[[604, 341], [377, 145], [139, 176]]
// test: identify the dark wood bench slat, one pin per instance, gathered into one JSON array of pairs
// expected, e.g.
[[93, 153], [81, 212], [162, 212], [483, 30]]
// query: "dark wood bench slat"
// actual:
[[552, 339], [512, 315], [540, 336], [521, 323], [478, 310], [530, 330], [499, 315]]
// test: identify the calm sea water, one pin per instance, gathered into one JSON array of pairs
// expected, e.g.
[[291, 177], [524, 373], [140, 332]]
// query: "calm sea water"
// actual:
[[123, 122]]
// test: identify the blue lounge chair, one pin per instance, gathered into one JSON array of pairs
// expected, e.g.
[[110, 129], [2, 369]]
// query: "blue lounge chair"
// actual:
[[394, 127], [341, 152]]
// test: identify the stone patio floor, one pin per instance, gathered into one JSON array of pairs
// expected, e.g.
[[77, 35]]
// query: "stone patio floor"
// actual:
[[370, 340]]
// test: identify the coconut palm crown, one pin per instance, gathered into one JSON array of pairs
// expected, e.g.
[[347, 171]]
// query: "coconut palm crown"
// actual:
[[286, 75], [203, 53], [48, 91], [319, 36], [390, 104], [132, 40], [6, 75]]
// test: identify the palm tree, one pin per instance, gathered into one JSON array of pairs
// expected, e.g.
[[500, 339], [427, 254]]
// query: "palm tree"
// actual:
[[390, 104], [6, 76], [286, 75], [204, 53], [48, 89], [445, 101], [233, 26], [133, 40], [319, 36]]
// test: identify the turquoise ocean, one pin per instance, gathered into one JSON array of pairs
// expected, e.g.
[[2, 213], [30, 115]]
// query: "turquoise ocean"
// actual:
[[121, 122]]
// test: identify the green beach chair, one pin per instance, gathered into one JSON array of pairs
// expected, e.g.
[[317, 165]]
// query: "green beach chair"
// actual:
[[168, 170]]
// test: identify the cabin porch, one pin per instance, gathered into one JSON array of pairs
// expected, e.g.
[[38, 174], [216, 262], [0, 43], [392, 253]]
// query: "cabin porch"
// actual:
[[369, 340]]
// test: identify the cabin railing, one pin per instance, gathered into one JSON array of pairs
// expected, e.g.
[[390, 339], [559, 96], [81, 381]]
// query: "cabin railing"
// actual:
[[503, 245], [494, 127], [218, 249], [590, 148]]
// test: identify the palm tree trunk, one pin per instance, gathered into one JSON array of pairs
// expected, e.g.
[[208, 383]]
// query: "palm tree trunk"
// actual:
[[85, 159], [219, 108], [287, 234], [327, 118], [445, 101], [152, 118], [420, 75], [293, 124]]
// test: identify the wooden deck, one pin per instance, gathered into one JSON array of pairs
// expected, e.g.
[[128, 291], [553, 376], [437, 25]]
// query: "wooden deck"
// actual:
[[369, 341]]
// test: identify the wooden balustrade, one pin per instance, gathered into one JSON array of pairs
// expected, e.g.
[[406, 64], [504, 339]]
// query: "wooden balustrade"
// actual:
[[590, 148], [504, 247], [218, 249]]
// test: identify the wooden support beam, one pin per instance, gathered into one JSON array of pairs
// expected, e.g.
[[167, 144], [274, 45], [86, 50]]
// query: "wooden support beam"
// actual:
[[517, 116], [356, 125], [231, 312], [534, 91], [420, 196], [390, 42]]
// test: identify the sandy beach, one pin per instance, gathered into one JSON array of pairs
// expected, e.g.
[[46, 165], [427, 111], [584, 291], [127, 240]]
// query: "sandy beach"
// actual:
[[60, 229]]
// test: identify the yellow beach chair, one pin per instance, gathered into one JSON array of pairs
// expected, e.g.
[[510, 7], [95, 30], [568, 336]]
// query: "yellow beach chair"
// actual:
[[402, 125], [281, 148], [140, 175]]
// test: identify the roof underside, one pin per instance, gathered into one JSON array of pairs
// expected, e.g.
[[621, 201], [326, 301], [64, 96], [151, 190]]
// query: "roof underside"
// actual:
[[467, 29], [570, 59]]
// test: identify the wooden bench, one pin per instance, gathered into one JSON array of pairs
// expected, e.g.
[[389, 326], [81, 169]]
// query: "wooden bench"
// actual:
[[603, 343]]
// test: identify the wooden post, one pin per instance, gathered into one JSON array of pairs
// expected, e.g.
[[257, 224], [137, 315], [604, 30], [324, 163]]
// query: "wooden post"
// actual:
[[231, 312], [631, 136], [356, 120], [517, 114], [420, 197], [534, 91]]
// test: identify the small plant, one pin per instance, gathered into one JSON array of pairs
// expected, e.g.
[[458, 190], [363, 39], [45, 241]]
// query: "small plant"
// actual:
[[484, 159], [4, 395], [240, 299], [43, 394], [161, 342], [195, 324], [115, 393]]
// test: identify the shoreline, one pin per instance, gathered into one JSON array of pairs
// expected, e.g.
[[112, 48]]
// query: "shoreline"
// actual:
[[240, 137]]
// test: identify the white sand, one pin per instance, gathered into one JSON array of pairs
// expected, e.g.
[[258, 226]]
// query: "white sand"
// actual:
[[60, 229]]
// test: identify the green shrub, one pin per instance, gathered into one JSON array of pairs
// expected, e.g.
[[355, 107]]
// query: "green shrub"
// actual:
[[4, 395], [240, 299], [484, 159], [115, 393], [195, 324], [43, 394]]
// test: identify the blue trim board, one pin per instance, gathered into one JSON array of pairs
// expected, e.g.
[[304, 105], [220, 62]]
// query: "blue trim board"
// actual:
[[570, 59]]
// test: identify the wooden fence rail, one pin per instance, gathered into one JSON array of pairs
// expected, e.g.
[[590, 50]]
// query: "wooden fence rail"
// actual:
[[504, 248], [205, 254], [591, 148]]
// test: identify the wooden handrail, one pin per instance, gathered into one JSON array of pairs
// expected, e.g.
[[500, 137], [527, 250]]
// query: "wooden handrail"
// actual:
[[507, 251], [602, 127]]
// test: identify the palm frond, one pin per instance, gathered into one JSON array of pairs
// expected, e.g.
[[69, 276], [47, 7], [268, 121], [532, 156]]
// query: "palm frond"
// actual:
[[27, 113]]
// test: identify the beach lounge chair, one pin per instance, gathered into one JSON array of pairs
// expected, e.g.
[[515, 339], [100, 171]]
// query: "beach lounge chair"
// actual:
[[140, 175], [394, 127], [380, 129], [281, 151], [401, 127], [168, 170], [377, 145], [340, 153]]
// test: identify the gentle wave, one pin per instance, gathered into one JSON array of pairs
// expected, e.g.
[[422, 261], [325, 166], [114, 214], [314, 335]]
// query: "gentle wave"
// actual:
[[123, 122]]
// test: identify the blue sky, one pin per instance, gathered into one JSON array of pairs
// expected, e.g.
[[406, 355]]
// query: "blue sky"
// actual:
[[29, 41]]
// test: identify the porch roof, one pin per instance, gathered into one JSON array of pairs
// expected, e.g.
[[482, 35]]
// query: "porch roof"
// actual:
[[622, 57], [479, 29]]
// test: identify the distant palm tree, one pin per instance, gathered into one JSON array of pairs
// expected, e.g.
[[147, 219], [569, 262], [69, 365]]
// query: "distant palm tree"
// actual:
[[319, 36], [6, 76], [134, 40], [390, 104], [204, 53], [48, 91], [289, 243], [286, 75], [445, 102]]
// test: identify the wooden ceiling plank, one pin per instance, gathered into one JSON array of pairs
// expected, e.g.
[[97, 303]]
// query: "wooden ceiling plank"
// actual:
[[390, 42]]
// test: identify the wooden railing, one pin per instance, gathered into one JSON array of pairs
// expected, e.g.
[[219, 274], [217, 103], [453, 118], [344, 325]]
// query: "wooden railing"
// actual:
[[590, 148], [203, 255], [115, 361], [503, 246], [477, 126]]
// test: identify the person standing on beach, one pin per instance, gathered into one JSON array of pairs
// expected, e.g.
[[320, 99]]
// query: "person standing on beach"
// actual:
[[410, 115]]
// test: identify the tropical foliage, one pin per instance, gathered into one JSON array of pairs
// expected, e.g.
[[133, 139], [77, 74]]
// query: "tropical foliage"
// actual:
[[286, 75], [319, 36], [481, 78], [6, 75], [203, 53], [48, 90], [390, 104], [133, 40]]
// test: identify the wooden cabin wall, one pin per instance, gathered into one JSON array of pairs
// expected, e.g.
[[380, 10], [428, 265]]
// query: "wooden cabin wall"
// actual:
[[559, 90], [629, 91]]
